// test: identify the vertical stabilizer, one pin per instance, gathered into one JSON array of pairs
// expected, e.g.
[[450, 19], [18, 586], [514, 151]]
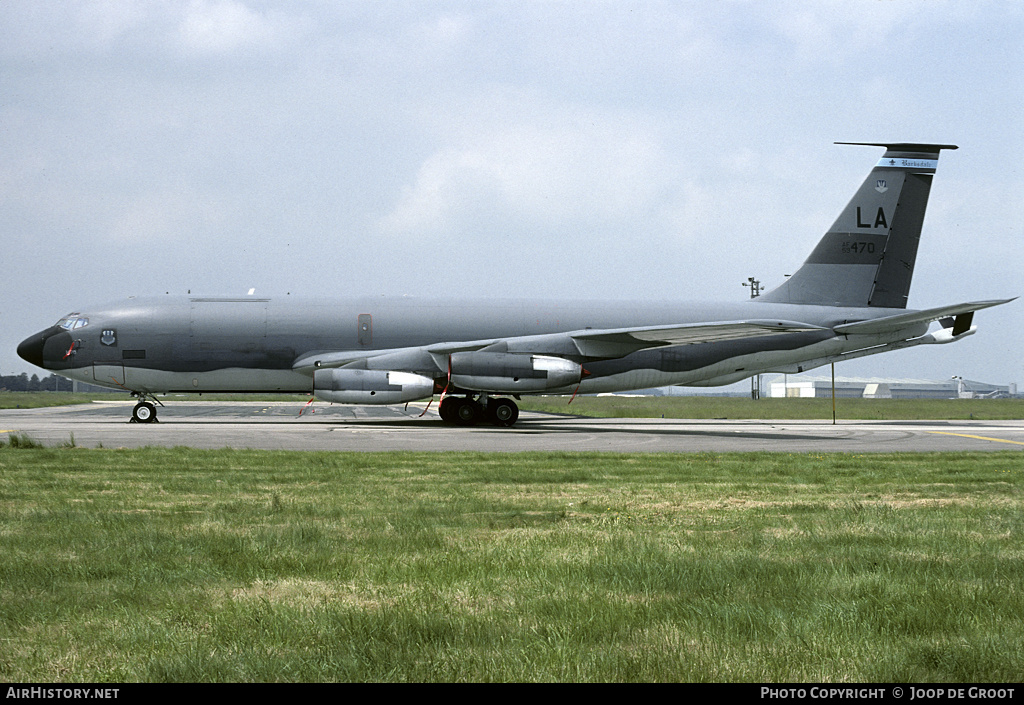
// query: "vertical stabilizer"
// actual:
[[867, 257]]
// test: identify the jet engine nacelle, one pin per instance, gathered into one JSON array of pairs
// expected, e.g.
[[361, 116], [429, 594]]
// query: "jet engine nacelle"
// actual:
[[512, 373], [347, 386]]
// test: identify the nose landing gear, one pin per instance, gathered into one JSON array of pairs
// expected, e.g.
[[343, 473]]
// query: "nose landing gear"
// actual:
[[144, 411]]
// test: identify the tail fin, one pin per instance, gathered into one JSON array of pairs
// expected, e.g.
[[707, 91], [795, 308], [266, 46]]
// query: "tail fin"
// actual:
[[867, 257]]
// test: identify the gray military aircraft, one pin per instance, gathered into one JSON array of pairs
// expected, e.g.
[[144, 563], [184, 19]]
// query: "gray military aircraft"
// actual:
[[848, 300]]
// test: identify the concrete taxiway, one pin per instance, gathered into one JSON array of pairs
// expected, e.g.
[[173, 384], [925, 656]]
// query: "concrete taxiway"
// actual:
[[279, 426]]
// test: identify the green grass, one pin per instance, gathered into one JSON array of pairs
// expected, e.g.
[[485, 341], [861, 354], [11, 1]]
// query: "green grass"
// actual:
[[696, 407], [190, 565], [772, 408], [37, 400]]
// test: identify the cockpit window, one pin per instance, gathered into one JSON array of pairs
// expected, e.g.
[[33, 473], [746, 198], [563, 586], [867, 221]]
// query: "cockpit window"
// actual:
[[73, 321]]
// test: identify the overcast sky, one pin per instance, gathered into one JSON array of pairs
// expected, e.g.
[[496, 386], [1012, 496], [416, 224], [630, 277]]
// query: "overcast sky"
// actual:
[[643, 150]]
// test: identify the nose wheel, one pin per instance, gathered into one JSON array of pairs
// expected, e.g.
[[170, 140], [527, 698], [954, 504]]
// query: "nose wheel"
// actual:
[[144, 411]]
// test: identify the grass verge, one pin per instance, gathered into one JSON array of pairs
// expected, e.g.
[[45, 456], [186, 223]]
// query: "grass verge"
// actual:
[[231, 565], [768, 408], [696, 407]]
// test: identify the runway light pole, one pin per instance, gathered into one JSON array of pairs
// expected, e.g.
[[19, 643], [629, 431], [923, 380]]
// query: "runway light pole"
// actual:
[[755, 381]]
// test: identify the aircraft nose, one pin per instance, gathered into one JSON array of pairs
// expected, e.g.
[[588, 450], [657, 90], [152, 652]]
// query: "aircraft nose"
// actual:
[[31, 348]]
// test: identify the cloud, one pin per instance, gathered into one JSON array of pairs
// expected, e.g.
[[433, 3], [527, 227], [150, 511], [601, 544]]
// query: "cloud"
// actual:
[[572, 169], [220, 26], [145, 29], [172, 215]]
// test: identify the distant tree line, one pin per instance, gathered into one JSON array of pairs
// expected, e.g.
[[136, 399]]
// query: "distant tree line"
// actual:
[[51, 383]]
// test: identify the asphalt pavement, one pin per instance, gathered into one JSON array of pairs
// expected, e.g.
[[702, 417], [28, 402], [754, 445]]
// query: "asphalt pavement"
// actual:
[[292, 426]]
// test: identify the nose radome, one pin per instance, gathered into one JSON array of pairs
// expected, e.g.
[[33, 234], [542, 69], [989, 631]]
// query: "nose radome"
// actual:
[[31, 348]]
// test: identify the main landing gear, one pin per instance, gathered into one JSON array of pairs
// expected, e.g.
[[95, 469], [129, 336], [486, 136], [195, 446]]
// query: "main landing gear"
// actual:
[[144, 411], [467, 411]]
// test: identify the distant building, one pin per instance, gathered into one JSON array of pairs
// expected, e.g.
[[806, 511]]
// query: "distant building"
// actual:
[[867, 388]]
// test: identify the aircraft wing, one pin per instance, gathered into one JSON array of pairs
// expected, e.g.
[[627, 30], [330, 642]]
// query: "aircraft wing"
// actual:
[[580, 345], [610, 343], [957, 316]]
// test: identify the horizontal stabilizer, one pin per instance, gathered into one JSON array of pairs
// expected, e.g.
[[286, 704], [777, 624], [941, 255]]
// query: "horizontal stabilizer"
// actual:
[[889, 324], [926, 147]]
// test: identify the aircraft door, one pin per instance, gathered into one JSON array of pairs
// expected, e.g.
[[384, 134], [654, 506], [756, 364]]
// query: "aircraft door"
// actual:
[[107, 372], [365, 329]]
